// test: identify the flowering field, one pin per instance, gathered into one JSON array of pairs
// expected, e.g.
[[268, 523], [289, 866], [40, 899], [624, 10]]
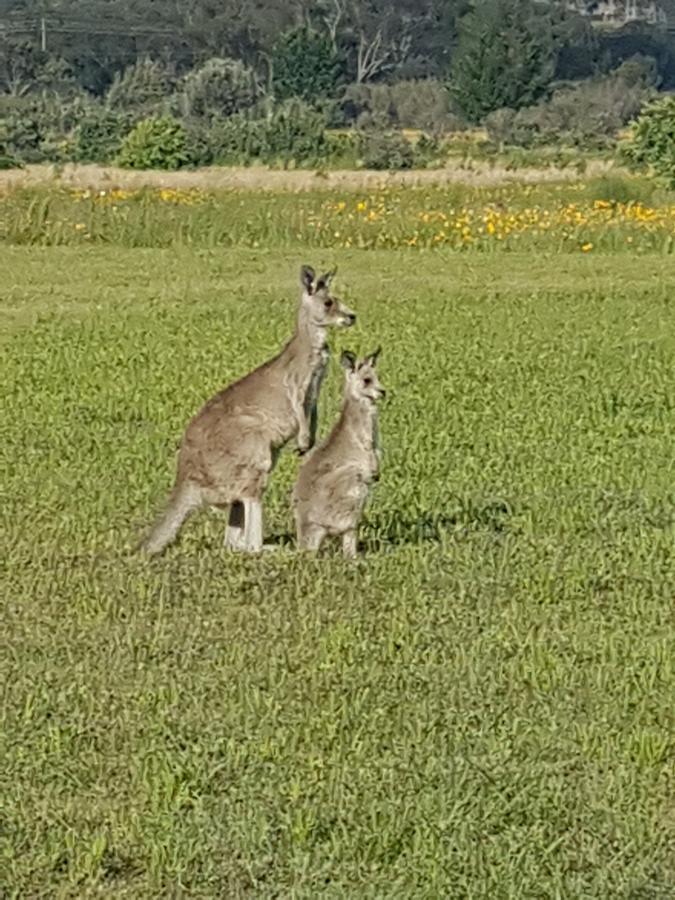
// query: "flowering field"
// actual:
[[595, 215], [482, 705]]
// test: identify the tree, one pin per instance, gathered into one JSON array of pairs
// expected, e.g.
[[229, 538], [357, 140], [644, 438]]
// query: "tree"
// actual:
[[379, 35], [305, 65], [506, 56]]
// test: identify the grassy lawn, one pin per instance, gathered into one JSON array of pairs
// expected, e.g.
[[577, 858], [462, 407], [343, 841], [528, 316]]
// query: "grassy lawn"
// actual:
[[482, 707]]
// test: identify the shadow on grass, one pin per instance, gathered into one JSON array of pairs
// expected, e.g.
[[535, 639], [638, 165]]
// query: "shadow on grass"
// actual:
[[433, 527]]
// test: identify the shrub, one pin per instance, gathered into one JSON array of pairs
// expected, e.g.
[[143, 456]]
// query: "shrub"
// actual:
[[370, 106], [291, 132], [21, 134], [99, 135], [295, 131], [221, 87], [142, 89], [155, 143], [638, 70], [343, 148], [652, 139], [236, 140], [36, 128], [429, 149], [500, 126], [586, 115], [9, 162], [425, 104], [198, 142], [386, 150], [619, 189]]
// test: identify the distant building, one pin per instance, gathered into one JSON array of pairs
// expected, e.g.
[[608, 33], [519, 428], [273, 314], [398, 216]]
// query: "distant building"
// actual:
[[617, 13]]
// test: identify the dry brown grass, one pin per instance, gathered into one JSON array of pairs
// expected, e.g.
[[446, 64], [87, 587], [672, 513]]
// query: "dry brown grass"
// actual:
[[261, 178]]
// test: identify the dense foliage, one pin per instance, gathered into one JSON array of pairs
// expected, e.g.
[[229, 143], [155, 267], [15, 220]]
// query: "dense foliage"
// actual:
[[305, 64], [505, 57], [156, 143]]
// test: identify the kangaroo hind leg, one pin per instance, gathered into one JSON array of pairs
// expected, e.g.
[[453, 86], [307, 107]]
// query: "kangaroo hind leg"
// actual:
[[349, 544], [245, 527], [235, 534]]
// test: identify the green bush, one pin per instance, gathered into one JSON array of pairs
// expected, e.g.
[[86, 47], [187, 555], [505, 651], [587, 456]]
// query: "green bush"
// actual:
[[429, 149], [386, 150], [369, 106], [588, 115], [155, 143], [21, 135], [343, 148], [295, 131], [142, 90], [99, 134], [291, 132], [652, 139], [423, 103], [35, 129], [198, 142], [619, 189], [221, 87], [9, 162], [237, 140]]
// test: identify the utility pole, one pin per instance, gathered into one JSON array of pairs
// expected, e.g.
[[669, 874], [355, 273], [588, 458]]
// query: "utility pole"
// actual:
[[43, 34]]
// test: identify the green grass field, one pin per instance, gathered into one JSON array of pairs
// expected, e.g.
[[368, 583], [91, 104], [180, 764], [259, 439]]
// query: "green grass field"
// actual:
[[482, 707]]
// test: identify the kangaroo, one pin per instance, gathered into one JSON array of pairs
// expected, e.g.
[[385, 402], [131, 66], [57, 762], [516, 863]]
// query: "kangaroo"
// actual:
[[333, 483], [231, 446]]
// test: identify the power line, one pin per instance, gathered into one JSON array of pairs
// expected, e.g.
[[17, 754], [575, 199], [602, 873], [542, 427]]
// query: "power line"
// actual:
[[84, 28]]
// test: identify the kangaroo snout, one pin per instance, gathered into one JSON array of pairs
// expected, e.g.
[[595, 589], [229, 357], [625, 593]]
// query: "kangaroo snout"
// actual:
[[348, 319]]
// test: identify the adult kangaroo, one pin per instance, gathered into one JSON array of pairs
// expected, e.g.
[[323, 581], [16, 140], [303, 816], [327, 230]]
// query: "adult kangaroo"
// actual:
[[231, 446]]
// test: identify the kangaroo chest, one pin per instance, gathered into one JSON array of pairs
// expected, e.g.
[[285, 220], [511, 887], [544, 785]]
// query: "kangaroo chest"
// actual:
[[366, 450]]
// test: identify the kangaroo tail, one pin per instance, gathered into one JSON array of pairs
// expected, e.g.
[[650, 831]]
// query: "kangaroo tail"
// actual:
[[184, 500]]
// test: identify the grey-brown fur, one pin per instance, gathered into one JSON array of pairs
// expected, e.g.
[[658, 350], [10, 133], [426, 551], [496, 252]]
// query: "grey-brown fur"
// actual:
[[230, 447], [333, 483]]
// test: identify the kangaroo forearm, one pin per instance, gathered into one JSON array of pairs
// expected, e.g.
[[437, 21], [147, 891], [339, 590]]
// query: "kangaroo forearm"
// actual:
[[313, 424], [303, 428]]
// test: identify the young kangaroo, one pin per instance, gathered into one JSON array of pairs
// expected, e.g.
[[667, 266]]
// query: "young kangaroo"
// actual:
[[231, 446], [332, 486]]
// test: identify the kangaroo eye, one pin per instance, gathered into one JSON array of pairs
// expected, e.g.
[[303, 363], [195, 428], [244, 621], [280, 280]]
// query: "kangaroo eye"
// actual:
[[328, 303], [367, 381]]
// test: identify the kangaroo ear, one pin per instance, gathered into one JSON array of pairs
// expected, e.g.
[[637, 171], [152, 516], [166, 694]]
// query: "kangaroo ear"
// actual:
[[307, 278], [348, 360], [372, 358], [325, 280]]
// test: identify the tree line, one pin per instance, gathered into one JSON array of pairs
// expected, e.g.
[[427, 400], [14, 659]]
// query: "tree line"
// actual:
[[376, 64]]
